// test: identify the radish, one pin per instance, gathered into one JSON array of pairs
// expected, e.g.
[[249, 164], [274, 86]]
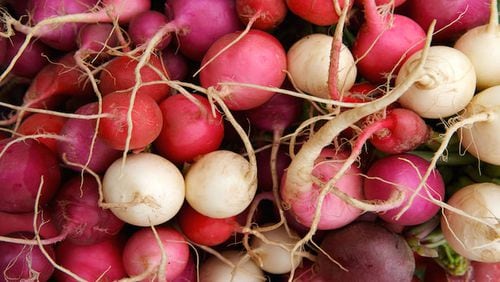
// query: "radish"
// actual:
[[471, 227], [310, 69], [163, 254], [23, 222], [446, 87], [477, 45], [267, 14], [144, 26], [40, 123], [235, 267], [220, 184], [383, 43], [175, 63], [256, 53], [322, 12], [395, 3], [96, 40], [145, 190]]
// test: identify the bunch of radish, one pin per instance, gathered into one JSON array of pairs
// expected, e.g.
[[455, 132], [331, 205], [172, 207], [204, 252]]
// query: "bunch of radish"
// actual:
[[249, 140]]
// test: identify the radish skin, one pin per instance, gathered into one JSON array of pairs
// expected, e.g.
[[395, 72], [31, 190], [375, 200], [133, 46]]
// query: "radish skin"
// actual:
[[243, 269]]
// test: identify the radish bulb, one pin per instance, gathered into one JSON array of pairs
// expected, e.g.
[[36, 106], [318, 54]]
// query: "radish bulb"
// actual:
[[243, 269], [147, 190], [470, 238], [309, 63], [446, 87]]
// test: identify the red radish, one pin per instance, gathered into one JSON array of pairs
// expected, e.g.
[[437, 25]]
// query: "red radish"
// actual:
[[119, 76], [77, 213], [256, 53], [395, 3], [146, 124], [39, 123], [318, 12], [241, 268], [143, 253], [205, 230], [456, 17], [404, 172], [278, 113], [145, 190], [95, 40], [23, 164], [80, 147], [144, 26], [267, 14], [96, 262], [383, 43], [190, 129], [23, 222], [24, 263], [175, 63], [483, 272]]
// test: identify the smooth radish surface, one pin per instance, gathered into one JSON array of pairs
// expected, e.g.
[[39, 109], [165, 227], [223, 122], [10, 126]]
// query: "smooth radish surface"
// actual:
[[256, 53], [142, 253], [383, 43], [403, 172], [22, 165], [243, 269], [96, 39], [481, 138], [100, 261], [274, 256], [144, 26], [189, 129], [478, 45], [268, 14], [77, 147], [447, 86], [474, 240], [33, 58], [39, 123], [396, 3], [367, 252], [335, 212], [309, 63], [220, 184], [147, 121], [322, 12], [176, 63], [23, 222], [77, 213], [149, 188], [205, 230]]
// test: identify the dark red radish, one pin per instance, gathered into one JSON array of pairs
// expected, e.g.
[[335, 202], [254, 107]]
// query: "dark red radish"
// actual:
[[276, 114], [95, 40], [23, 164], [404, 172], [176, 64], [144, 26], [190, 129], [256, 53], [79, 146], [484, 272], [142, 253], [25, 262], [119, 76], [96, 262], [264, 172], [318, 12], [23, 222], [79, 217], [146, 121], [3, 49], [39, 123], [365, 251], [383, 43], [266, 14]]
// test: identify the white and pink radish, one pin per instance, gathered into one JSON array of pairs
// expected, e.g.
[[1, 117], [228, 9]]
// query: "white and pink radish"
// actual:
[[446, 87], [236, 266], [145, 190], [470, 226]]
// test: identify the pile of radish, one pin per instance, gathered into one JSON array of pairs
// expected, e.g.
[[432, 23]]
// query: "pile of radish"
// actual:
[[249, 140]]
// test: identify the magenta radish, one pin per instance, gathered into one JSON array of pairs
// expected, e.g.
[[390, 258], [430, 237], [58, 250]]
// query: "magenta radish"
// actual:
[[365, 251], [335, 212], [453, 17], [266, 14], [23, 164], [25, 263], [220, 184], [144, 26], [309, 65], [96, 262], [323, 12], [477, 45], [190, 128], [256, 53], [95, 40], [403, 172], [79, 217], [238, 267], [165, 254], [446, 87], [395, 3], [383, 43], [23, 222], [175, 63], [145, 190], [471, 228], [80, 147]]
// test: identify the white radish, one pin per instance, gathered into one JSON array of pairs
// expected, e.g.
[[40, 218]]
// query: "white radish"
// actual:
[[220, 184], [477, 240], [447, 86], [147, 190], [237, 267], [309, 65]]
